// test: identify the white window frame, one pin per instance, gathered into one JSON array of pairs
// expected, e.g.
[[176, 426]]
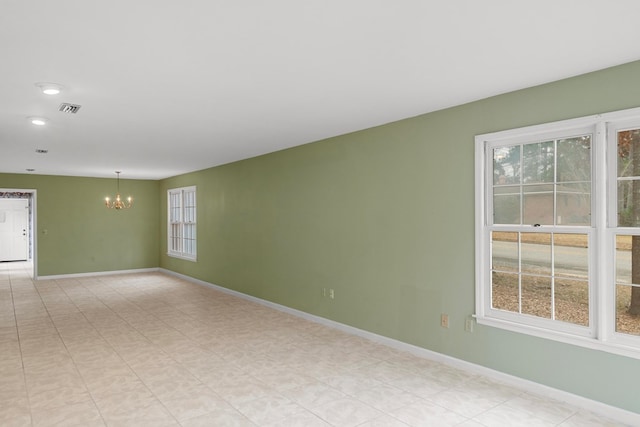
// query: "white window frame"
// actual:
[[182, 221], [602, 232]]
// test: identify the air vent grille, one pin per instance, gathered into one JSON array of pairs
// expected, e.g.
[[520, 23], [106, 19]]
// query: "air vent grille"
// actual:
[[69, 108]]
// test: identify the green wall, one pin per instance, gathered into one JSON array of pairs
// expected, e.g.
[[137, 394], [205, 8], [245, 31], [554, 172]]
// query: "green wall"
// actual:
[[385, 217], [76, 233]]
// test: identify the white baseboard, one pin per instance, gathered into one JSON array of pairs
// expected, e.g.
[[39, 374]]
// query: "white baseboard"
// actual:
[[98, 273], [615, 413]]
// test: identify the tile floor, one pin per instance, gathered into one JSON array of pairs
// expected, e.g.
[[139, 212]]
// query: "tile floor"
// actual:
[[154, 350]]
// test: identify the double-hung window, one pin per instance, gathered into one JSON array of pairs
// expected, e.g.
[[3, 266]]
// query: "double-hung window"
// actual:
[[558, 231], [181, 231]]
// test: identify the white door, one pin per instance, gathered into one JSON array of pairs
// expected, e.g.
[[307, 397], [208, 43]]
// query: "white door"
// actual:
[[14, 229]]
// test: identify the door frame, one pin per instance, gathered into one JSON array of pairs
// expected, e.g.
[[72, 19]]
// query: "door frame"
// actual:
[[33, 225]]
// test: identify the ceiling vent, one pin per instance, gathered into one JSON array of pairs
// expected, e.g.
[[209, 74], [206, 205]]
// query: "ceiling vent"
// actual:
[[69, 108]]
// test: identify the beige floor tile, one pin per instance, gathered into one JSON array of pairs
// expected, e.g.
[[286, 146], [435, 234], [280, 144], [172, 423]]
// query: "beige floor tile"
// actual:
[[221, 418], [95, 373], [313, 395], [14, 409], [199, 401], [92, 350], [387, 421], [49, 364], [346, 412], [490, 389], [547, 409], [350, 383], [422, 386], [244, 389], [8, 335], [302, 419], [149, 416], [587, 419], [424, 413], [94, 367], [269, 409], [284, 379], [388, 372], [170, 382], [386, 398], [79, 414], [15, 417], [154, 350], [37, 383], [58, 397], [471, 423], [178, 388], [200, 361], [144, 356], [13, 381], [13, 403], [465, 403], [108, 385], [508, 416], [119, 407]]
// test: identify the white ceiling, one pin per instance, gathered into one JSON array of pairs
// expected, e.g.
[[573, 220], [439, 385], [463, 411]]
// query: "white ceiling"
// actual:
[[167, 87]]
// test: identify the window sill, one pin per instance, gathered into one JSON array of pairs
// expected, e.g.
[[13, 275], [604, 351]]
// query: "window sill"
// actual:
[[184, 257], [614, 346]]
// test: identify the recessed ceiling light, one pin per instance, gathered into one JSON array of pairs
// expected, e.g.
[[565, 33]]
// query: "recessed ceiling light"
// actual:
[[38, 121], [50, 88]]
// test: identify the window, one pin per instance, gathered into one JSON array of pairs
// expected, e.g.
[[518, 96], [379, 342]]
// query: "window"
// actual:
[[558, 231], [182, 222], [625, 140]]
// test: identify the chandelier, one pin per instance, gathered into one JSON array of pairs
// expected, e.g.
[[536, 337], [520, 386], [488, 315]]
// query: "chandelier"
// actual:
[[118, 203]]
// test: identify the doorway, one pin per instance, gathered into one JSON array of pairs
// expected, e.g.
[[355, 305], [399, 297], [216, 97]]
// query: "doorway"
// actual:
[[17, 227], [14, 230]]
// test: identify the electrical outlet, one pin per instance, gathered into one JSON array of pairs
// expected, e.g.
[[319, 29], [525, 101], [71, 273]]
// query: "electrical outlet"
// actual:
[[468, 324], [444, 320], [331, 294]]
